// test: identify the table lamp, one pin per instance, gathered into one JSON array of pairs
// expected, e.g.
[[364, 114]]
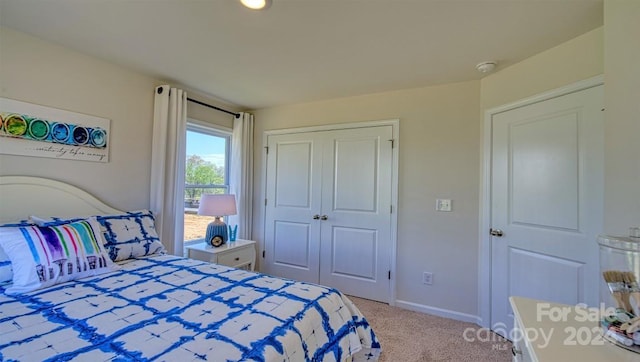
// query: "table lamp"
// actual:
[[217, 205]]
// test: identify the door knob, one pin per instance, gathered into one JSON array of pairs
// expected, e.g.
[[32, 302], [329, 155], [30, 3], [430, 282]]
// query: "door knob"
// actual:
[[316, 217], [324, 217], [496, 232]]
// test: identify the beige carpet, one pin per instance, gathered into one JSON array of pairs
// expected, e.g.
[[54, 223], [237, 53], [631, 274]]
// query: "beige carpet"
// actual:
[[407, 336]]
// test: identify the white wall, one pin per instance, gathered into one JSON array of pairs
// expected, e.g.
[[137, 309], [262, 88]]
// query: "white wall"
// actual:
[[439, 155], [569, 62], [43, 73], [622, 115], [40, 72]]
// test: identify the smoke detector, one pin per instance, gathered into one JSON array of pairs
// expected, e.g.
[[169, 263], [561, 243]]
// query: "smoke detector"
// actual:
[[486, 67]]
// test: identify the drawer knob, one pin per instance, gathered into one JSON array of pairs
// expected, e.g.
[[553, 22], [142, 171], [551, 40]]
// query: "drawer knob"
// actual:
[[237, 258]]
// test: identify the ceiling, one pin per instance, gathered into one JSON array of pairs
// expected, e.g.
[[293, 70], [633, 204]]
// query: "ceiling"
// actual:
[[304, 50]]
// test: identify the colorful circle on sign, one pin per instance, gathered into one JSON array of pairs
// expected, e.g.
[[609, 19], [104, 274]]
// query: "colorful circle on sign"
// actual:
[[60, 132], [38, 129], [98, 137], [80, 135], [15, 125]]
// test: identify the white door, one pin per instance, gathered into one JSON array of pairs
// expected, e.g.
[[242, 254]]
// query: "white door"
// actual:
[[292, 234], [328, 209], [355, 247], [546, 201]]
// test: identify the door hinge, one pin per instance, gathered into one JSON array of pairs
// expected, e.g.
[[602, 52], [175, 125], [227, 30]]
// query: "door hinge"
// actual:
[[265, 202], [389, 275], [267, 149], [263, 254], [392, 142], [391, 209]]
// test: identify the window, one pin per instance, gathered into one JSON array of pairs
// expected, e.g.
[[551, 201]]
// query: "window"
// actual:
[[206, 171]]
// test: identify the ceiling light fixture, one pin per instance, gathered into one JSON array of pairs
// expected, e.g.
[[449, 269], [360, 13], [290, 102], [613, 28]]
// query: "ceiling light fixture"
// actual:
[[256, 4], [486, 67]]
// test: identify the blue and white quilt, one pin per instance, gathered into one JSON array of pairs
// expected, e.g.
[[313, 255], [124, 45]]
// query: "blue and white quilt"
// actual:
[[168, 308]]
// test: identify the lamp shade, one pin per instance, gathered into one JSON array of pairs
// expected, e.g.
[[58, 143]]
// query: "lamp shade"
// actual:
[[217, 205]]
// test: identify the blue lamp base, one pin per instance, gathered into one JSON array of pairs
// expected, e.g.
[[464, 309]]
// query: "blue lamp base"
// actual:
[[216, 228]]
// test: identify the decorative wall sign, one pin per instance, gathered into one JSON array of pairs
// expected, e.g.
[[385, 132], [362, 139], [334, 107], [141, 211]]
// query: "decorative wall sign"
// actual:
[[31, 130]]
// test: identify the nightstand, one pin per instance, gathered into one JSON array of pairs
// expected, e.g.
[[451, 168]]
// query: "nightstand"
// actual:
[[237, 254]]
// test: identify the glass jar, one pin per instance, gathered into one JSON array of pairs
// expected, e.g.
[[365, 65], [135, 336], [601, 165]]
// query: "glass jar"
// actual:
[[619, 254], [620, 277]]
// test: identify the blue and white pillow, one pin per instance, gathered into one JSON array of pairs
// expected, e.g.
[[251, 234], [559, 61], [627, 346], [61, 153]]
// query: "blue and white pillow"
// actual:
[[6, 273], [129, 235], [43, 256]]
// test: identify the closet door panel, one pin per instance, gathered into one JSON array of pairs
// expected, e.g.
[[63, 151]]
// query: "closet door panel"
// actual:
[[354, 253], [292, 235], [292, 254], [355, 171], [293, 175]]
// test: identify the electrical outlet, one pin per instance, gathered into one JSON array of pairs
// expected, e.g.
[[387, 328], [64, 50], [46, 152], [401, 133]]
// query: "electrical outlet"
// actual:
[[427, 278]]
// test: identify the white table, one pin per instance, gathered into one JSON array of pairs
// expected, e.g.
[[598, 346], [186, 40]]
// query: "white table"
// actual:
[[237, 254], [546, 331]]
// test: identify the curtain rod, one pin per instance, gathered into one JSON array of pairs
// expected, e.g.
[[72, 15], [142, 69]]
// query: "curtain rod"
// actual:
[[237, 115]]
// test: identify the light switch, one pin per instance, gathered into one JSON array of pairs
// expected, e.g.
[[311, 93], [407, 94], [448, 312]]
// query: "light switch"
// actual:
[[443, 205]]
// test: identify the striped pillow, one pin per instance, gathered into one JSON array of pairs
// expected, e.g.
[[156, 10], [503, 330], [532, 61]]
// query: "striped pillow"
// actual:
[[129, 235], [45, 256]]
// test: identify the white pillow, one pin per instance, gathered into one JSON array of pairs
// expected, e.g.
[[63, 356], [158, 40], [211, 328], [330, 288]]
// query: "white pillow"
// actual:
[[6, 274], [45, 256]]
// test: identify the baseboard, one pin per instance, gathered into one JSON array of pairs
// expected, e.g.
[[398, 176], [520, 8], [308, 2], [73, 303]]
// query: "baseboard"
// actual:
[[464, 317]]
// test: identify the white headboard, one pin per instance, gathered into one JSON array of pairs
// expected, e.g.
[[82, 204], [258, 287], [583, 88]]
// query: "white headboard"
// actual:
[[22, 196]]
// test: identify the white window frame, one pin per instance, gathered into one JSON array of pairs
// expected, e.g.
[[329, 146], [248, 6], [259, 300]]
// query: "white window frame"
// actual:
[[217, 131], [213, 130]]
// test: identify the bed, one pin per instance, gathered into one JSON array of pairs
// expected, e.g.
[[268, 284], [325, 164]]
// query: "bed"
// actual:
[[155, 306]]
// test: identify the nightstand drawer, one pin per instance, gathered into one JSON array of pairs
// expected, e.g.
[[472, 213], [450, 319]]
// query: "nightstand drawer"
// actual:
[[237, 257], [202, 255], [238, 254]]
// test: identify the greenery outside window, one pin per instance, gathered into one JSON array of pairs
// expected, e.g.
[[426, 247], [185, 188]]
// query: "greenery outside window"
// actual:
[[208, 154]]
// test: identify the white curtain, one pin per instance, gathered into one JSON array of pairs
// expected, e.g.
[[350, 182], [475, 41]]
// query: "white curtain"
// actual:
[[241, 178], [167, 165]]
